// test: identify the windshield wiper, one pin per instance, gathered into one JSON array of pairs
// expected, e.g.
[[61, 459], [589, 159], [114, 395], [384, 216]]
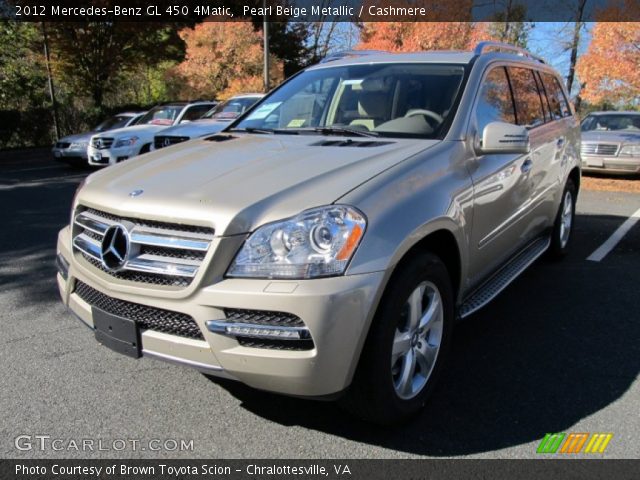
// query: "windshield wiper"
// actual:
[[333, 130], [271, 131]]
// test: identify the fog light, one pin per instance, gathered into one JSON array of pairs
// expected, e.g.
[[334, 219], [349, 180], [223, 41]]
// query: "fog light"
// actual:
[[63, 266], [257, 331]]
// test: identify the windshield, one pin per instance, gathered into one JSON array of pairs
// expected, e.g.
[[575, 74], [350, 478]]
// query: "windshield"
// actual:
[[611, 122], [232, 108], [163, 115], [116, 121], [395, 100]]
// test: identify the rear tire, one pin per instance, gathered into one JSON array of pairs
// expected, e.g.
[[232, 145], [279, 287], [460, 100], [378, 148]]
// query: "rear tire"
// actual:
[[563, 226], [407, 344]]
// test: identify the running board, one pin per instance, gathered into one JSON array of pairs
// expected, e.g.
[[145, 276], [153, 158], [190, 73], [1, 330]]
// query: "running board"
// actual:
[[503, 277]]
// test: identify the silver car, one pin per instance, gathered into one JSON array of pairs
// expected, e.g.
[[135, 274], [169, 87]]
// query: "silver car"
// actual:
[[72, 149], [212, 122], [326, 243], [611, 142]]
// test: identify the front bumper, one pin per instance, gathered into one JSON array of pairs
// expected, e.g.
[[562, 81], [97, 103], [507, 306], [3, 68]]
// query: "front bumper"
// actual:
[[70, 155], [111, 156], [337, 312], [624, 165]]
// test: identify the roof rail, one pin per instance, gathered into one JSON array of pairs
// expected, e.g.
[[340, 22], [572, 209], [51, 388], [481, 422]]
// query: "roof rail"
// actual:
[[482, 46], [349, 53]]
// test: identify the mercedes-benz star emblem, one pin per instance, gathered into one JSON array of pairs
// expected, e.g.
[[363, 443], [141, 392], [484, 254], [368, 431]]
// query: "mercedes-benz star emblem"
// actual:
[[136, 193], [115, 247]]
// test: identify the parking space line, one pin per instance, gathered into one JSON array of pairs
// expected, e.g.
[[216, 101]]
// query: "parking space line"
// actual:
[[613, 240]]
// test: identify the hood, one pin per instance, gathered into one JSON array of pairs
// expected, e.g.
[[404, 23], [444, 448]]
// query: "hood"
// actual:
[[245, 181], [197, 128], [616, 136], [78, 137], [121, 132]]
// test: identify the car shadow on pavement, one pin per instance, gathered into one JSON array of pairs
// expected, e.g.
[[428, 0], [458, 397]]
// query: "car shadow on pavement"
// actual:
[[34, 210], [560, 344]]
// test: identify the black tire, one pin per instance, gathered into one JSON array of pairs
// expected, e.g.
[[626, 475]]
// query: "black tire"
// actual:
[[145, 149], [373, 395], [559, 242]]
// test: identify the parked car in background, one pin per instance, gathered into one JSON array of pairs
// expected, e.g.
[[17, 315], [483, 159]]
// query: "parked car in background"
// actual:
[[72, 149], [611, 142], [212, 122], [123, 143], [327, 245]]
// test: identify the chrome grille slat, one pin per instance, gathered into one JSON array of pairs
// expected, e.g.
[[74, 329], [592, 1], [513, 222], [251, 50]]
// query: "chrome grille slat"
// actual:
[[604, 149], [157, 239], [161, 253], [87, 245]]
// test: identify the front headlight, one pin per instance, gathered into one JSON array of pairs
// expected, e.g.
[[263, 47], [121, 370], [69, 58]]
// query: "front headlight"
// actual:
[[630, 150], [316, 243], [125, 142]]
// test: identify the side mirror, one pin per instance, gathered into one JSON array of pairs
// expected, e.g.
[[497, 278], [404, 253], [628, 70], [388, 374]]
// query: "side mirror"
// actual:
[[501, 137]]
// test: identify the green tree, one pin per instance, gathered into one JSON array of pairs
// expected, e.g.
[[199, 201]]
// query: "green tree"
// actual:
[[91, 55], [22, 73]]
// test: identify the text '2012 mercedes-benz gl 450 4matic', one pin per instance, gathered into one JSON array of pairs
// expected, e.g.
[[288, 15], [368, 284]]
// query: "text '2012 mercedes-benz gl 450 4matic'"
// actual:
[[325, 242]]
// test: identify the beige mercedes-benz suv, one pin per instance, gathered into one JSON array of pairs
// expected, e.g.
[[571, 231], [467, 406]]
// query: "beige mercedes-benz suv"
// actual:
[[325, 242]]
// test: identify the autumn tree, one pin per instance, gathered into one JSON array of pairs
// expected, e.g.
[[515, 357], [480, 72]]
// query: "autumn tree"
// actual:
[[609, 69], [90, 55], [221, 56]]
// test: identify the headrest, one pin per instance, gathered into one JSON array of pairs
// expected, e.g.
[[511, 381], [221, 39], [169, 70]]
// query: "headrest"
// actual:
[[372, 104]]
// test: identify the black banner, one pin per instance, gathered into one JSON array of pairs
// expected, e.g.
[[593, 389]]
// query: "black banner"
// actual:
[[321, 10], [320, 469]]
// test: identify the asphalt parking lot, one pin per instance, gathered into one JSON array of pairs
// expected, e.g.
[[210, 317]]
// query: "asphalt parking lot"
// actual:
[[558, 351]]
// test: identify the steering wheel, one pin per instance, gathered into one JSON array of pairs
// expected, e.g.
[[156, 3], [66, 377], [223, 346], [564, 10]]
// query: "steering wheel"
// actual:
[[427, 113]]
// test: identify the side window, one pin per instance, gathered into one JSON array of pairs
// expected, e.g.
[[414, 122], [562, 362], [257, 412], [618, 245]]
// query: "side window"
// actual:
[[543, 97], [564, 104], [495, 103], [557, 102], [195, 112], [529, 110]]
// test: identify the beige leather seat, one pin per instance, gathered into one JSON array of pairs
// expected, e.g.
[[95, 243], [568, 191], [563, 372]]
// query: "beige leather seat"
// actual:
[[371, 110]]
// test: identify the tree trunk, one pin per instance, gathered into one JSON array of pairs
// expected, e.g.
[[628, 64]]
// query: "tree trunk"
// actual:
[[575, 44]]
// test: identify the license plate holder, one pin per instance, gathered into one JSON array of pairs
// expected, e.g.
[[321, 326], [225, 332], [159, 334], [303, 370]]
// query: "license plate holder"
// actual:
[[117, 333], [595, 162]]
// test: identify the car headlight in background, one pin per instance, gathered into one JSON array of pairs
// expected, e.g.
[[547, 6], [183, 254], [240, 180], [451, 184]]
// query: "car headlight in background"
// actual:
[[630, 150], [316, 243], [125, 142]]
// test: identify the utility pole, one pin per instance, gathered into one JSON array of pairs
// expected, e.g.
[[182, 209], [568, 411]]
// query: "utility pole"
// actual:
[[52, 93], [265, 46]]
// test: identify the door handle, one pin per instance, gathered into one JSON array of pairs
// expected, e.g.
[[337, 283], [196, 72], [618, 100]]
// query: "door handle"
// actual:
[[526, 166]]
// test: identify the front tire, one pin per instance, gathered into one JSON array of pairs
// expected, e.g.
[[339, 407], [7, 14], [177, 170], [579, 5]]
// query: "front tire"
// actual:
[[563, 225], [407, 344]]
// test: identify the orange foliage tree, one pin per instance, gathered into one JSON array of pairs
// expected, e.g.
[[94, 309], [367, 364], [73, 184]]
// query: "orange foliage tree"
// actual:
[[609, 69], [223, 59], [404, 36]]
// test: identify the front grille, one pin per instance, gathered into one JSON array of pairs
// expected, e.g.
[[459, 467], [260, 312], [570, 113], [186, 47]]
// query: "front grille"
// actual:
[[63, 145], [604, 149], [167, 140], [260, 317], [148, 318], [102, 143], [160, 253]]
